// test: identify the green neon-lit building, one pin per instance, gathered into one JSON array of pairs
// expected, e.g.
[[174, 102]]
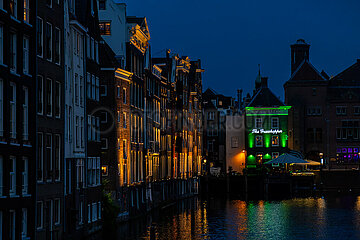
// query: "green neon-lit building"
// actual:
[[266, 126]]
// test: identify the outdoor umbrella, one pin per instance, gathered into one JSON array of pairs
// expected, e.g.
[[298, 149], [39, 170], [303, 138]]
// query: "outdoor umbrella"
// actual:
[[286, 159]]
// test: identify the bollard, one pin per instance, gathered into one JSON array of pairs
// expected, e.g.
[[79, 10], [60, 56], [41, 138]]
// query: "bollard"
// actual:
[[152, 232]]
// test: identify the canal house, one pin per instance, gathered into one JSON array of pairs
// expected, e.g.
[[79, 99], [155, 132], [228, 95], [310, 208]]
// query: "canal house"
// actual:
[[266, 126]]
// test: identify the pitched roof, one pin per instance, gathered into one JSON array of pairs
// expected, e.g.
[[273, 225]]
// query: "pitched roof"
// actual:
[[351, 75], [265, 98], [306, 71]]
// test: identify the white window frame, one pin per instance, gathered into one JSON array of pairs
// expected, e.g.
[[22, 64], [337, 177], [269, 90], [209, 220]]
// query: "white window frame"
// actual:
[[40, 95], [24, 220], [26, 114], [12, 222], [57, 206], [1, 43], [99, 210], [41, 36], [25, 176], [49, 148], [57, 150], [1, 107], [49, 98], [13, 51], [81, 213], [51, 43], [41, 225], [1, 176], [97, 88], [13, 112], [57, 46], [258, 123], [276, 119], [26, 55], [94, 212], [12, 175], [58, 100], [89, 213], [41, 156]]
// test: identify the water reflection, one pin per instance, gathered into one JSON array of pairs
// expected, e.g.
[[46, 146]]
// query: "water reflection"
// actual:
[[299, 218]]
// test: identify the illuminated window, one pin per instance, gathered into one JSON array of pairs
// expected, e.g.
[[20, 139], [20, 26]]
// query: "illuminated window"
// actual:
[[259, 141], [104, 170], [105, 28], [13, 8], [274, 155], [275, 141], [26, 11], [258, 122]]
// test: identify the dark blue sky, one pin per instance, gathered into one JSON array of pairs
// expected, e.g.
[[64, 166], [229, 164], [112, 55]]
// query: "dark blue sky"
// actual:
[[232, 37]]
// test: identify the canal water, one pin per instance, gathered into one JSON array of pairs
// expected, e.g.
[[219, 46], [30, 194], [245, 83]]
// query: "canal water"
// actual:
[[336, 217]]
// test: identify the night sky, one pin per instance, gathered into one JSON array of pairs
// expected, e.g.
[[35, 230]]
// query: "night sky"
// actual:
[[232, 37]]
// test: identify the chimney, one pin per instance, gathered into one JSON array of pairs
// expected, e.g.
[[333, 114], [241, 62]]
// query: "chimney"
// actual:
[[264, 82], [299, 53]]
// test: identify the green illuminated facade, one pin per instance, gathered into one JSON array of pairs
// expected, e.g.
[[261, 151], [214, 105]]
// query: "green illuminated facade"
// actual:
[[266, 127]]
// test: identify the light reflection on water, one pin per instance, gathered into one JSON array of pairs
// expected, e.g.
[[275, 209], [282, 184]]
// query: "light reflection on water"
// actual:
[[299, 218]]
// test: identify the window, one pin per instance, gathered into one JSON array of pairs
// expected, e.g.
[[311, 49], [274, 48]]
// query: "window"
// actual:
[[12, 173], [124, 95], [105, 28], [102, 4], [94, 212], [99, 210], [118, 116], [96, 51], [258, 122], [57, 157], [48, 155], [81, 91], [1, 108], [1, 177], [25, 176], [40, 164], [97, 89], [49, 97], [77, 135], [49, 3], [12, 224], [340, 110], [124, 149], [81, 132], [39, 37], [356, 109], [57, 56], [104, 143], [88, 46], [93, 87], [13, 7], [1, 44], [89, 127], [40, 86], [81, 213], [12, 98], [211, 115], [57, 99], [275, 123], [234, 142], [57, 212], [275, 140], [88, 81], [210, 146], [89, 213], [118, 91], [258, 141], [48, 41], [1, 6], [39, 215], [26, 11], [12, 63], [274, 155], [103, 90], [26, 55], [24, 223], [25, 114], [91, 48], [124, 120], [79, 173], [76, 90]]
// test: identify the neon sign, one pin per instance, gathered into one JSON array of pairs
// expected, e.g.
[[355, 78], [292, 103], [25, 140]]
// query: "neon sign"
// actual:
[[272, 131]]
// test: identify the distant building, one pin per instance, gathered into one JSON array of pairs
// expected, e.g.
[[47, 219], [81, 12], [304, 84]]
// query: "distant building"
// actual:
[[215, 109], [324, 120], [266, 126], [235, 143]]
